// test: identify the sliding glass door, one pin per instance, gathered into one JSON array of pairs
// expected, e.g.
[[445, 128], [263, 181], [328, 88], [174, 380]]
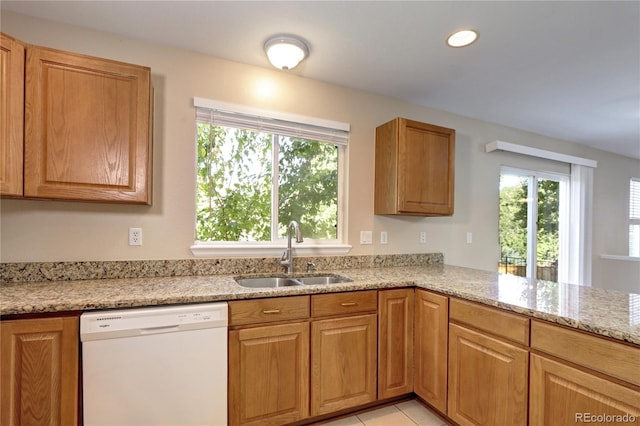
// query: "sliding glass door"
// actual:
[[533, 223]]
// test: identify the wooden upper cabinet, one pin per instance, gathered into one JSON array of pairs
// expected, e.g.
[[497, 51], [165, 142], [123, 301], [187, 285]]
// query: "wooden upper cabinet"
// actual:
[[11, 115], [87, 128], [414, 169]]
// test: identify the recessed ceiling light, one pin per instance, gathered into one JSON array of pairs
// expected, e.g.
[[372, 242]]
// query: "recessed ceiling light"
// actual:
[[462, 38]]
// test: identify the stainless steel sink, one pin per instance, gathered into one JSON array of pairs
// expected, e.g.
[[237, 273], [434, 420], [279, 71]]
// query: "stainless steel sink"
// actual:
[[323, 280], [272, 282], [275, 282]]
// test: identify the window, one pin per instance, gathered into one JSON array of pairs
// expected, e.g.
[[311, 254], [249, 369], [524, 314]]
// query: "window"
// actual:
[[634, 217], [533, 223], [257, 171]]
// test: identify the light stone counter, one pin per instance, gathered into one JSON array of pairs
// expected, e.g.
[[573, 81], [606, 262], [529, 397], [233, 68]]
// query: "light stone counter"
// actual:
[[608, 313]]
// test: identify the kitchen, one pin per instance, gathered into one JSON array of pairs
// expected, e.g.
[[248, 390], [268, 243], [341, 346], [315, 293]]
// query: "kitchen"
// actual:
[[32, 230]]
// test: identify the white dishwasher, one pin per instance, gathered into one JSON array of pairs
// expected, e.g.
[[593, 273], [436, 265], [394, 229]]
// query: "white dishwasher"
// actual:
[[155, 366]]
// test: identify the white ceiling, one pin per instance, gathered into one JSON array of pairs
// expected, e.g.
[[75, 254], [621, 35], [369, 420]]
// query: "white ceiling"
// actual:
[[564, 69]]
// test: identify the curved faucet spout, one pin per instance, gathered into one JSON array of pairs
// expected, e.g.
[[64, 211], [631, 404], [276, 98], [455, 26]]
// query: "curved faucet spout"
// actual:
[[287, 257], [296, 227]]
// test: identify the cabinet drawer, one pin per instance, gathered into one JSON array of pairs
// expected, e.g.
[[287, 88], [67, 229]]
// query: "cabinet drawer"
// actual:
[[344, 303], [499, 323], [273, 309], [612, 358]]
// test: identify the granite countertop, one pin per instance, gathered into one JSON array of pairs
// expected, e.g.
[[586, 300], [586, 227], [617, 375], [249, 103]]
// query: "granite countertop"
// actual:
[[608, 313]]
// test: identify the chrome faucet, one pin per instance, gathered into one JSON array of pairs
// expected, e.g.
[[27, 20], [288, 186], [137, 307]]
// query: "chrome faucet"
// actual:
[[287, 257]]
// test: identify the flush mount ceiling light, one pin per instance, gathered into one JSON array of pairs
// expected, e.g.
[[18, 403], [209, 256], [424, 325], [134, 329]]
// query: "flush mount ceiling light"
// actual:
[[285, 51], [462, 38]]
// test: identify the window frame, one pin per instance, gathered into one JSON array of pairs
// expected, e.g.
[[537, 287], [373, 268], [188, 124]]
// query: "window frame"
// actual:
[[634, 200], [338, 246]]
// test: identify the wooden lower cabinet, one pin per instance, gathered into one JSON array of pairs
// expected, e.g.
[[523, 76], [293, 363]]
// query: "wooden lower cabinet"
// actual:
[[269, 374], [39, 365], [343, 363], [487, 380], [564, 395], [430, 348], [395, 342]]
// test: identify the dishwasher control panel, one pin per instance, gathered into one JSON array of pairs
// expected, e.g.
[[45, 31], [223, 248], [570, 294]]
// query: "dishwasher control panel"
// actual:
[[166, 319]]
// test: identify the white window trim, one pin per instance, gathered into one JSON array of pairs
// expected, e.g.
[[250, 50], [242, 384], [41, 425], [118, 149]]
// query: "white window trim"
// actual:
[[309, 247], [633, 220], [620, 257]]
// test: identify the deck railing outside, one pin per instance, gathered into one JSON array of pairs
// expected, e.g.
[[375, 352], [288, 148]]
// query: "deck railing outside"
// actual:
[[546, 269]]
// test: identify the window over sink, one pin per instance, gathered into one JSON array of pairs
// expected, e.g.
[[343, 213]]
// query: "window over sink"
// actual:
[[258, 170]]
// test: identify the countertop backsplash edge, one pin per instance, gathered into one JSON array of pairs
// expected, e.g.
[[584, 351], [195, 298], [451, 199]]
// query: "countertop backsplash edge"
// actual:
[[94, 270]]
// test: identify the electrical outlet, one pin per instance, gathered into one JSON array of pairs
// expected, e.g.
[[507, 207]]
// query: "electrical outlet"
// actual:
[[383, 237], [423, 237], [469, 237], [135, 236]]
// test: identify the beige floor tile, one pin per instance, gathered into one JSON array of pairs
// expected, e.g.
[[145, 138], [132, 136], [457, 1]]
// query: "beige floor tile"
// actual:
[[346, 421], [420, 414], [386, 416]]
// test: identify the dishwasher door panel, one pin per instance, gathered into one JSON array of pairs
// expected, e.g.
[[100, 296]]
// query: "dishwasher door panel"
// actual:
[[174, 378]]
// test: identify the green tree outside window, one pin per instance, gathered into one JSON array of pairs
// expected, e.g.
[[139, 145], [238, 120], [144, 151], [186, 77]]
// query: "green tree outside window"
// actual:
[[237, 179]]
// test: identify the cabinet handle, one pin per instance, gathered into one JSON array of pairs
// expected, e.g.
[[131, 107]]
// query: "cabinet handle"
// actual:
[[345, 304], [271, 311]]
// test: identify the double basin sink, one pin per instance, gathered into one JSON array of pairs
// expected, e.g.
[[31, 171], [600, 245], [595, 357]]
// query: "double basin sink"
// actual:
[[274, 282]]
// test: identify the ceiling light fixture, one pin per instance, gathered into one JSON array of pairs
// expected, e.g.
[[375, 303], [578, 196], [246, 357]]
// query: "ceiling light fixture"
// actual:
[[285, 51], [462, 38]]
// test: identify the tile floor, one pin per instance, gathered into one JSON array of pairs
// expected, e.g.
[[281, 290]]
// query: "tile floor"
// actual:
[[407, 413]]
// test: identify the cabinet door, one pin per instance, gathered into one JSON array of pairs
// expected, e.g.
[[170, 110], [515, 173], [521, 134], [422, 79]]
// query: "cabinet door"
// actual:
[[87, 128], [425, 169], [430, 346], [414, 169], [11, 115], [487, 380], [269, 374], [564, 395], [395, 342], [343, 360], [39, 371]]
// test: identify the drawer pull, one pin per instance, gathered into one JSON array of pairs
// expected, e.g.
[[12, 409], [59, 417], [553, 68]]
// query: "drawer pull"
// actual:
[[271, 311], [345, 304]]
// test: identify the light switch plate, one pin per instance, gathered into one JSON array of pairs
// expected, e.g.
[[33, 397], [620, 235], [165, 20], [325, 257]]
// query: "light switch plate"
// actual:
[[366, 237]]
